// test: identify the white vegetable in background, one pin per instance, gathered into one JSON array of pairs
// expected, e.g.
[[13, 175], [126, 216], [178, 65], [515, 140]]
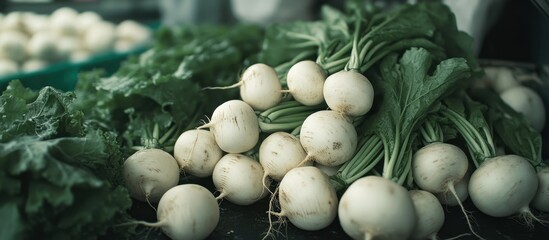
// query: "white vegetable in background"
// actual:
[[63, 21], [305, 82], [13, 45], [80, 55], [85, 20], [279, 153], [239, 179], [234, 126], [541, 200], [376, 208], [500, 78], [33, 65], [429, 215], [43, 45], [307, 198], [328, 137], [7, 66], [35, 23], [123, 45], [187, 212], [133, 31], [349, 93], [197, 152], [100, 37], [526, 101], [12, 21], [149, 173], [504, 186], [66, 45]]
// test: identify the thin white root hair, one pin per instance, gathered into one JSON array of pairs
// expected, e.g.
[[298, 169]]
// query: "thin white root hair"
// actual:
[[281, 221], [465, 213], [527, 217], [238, 84]]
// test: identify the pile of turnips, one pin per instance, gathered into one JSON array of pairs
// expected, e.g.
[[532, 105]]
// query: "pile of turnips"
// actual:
[[247, 165], [380, 132], [30, 41]]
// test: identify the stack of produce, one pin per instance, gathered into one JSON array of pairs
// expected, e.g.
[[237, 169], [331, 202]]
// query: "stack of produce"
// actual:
[[368, 116], [30, 41]]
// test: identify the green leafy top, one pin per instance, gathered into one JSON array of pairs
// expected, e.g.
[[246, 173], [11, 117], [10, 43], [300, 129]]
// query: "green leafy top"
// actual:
[[59, 178], [409, 94]]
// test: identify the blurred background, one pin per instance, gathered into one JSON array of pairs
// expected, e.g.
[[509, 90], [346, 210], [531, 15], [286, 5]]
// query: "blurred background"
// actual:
[[505, 29]]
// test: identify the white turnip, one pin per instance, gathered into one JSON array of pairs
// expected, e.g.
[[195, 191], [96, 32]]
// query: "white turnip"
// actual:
[[307, 198], [63, 21], [541, 200], [279, 153], [149, 173], [376, 208], [7, 66], [43, 45], [328, 137], [239, 179], [187, 211], [13, 45], [305, 82], [33, 65], [349, 93], [462, 191], [197, 152], [429, 215], [526, 101], [100, 37], [234, 126], [504, 186]]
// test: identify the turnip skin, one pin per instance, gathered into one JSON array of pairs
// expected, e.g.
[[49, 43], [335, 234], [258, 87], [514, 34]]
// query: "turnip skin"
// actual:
[[187, 211], [235, 126], [149, 173], [429, 213], [526, 101], [197, 152], [279, 153], [307, 198], [349, 93], [376, 208], [239, 179], [503, 186], [305, 81], [541, 200], [328, 137], [260, 87], [438, 165], [462, 191]]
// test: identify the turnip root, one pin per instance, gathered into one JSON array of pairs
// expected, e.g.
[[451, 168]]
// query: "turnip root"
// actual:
[[504, 186], [541, 200], [307, 198], [149, 173], [429, 215], [500, 78], [376, 208], [305, 82], [239, 179], [234, 126], [328, 137], [462, 191], [85, 20], [187, 211], [526, 101], [197, 153], [349, 93], [279, 153]]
